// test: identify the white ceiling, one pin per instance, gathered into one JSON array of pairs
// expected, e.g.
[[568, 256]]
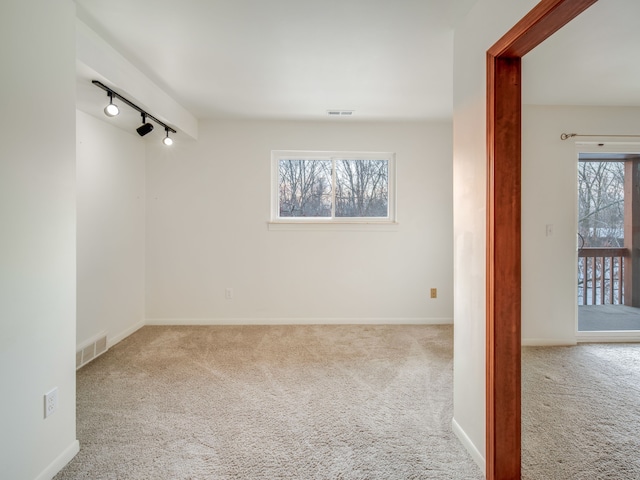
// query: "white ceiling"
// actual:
[[385, 59], [594, 60]]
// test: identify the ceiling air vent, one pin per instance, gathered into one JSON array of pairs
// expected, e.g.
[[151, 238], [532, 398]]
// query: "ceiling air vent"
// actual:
[[340, 113]]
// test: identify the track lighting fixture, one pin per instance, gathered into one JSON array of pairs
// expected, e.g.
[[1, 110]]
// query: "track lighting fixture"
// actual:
[[145, 127], [168, 141], [112, 110]]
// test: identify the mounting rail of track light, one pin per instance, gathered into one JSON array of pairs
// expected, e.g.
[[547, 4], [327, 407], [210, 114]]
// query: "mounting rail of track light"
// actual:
[[111, 110]]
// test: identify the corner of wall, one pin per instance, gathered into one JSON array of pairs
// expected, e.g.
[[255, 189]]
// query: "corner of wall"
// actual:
[[469, 446], [59, 463]]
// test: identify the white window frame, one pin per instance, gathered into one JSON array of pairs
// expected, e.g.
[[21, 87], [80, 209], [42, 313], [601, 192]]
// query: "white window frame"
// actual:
[[277, 221]]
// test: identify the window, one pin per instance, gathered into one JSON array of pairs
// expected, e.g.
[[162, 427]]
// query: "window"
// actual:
[[346, 187]]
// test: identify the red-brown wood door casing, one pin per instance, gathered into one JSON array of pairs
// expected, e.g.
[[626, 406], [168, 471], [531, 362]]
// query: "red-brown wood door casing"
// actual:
[[504, 114]]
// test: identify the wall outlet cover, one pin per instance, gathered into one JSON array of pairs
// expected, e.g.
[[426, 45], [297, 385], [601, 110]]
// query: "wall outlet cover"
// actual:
[[50, 402]]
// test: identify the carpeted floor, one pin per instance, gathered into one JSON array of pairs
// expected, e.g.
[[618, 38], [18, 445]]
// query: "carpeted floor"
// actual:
[[581, 412], [271, 402]]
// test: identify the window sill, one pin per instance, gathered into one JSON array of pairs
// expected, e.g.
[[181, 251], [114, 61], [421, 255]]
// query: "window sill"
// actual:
[[334, 226]]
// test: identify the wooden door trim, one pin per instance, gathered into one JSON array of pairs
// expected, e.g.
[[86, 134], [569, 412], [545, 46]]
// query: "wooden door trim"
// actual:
[[503, 282]]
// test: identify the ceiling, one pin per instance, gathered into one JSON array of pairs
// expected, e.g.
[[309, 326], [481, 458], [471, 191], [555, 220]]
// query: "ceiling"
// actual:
[[384, 59], [594, 60]]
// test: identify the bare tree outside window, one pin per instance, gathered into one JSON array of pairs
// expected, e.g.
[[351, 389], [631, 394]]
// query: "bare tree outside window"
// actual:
[[601, 204], [332, 187], [305, 188], [362, 188]]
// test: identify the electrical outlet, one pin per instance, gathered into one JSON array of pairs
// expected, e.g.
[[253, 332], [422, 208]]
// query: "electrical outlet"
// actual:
[[228, 293], [434, 293], [50, 402]]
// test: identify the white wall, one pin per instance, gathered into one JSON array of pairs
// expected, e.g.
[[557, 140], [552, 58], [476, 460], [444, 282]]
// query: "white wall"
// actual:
[[549, 174], [485, 24], [111, 230], [207, 213], [37, 242]]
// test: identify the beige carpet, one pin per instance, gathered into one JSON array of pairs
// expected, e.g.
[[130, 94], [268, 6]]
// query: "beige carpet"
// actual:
[[581, 412], [271, 402]]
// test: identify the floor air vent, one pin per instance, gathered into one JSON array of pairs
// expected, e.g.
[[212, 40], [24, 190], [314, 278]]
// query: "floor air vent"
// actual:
[[91, 350]]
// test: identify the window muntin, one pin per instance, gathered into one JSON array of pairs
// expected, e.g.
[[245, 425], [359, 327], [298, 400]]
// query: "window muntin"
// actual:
[[333, 186]]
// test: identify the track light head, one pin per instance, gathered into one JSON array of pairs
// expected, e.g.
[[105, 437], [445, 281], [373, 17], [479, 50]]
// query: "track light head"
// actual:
[[167, 139], [111, 110], [145, 127]]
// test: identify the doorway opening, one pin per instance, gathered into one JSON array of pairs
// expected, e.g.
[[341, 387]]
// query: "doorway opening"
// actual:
[[608, 240]]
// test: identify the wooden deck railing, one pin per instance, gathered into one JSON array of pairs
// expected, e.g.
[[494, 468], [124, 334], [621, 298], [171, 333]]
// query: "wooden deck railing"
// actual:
[[601, 276]]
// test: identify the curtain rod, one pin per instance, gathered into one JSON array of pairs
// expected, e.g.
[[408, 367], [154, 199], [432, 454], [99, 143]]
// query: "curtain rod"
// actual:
[[566, 136]]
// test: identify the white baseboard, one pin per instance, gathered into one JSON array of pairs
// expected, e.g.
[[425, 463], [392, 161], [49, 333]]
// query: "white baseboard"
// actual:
[[299, 321], [469, 446], [548, 342], [620, 336], [124, 334], [59, 463]]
